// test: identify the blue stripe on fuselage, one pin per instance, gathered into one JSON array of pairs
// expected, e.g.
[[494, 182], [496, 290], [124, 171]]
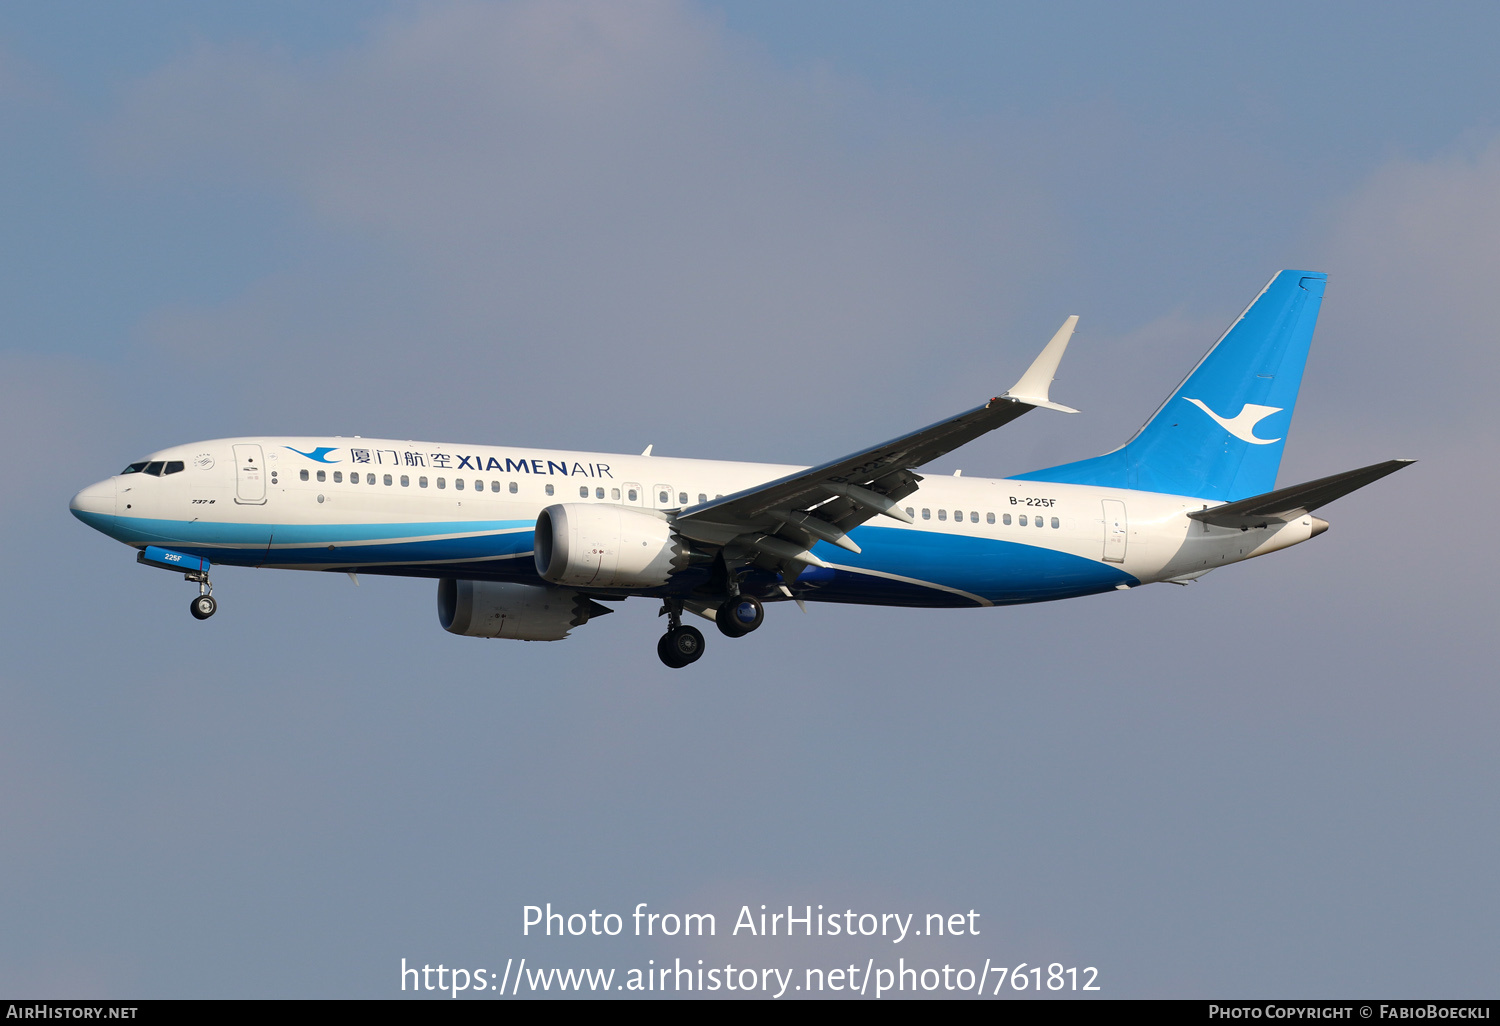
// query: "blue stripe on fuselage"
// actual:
[[999, 571], [938, 566], [289, 544]]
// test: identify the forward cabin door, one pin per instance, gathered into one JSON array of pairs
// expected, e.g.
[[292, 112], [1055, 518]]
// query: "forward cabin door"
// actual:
[[249, 475], [1116, 531]]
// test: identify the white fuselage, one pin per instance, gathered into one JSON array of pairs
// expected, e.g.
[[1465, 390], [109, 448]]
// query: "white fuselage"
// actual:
[[433, 509]]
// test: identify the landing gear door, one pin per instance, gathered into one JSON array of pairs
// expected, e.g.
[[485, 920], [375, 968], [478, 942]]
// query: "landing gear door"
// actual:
[[249, 475], [1115, 531]]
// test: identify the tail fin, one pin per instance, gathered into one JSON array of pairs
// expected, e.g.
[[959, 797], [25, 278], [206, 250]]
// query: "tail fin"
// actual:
[[1220, 434]]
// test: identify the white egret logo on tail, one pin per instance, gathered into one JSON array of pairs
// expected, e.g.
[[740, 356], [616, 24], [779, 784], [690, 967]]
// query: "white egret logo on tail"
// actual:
[[1243, 426]]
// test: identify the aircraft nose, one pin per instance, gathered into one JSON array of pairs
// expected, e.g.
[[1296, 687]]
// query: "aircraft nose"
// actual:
[[98, 499]]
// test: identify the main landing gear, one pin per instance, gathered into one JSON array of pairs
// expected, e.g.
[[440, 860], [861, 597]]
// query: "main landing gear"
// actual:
[[681, 644], [739, 615]]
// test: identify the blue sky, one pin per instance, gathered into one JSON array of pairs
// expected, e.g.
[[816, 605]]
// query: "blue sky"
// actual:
[[765, 231]]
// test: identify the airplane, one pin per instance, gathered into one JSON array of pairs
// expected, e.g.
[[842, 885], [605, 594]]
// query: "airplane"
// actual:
[[529, 543]]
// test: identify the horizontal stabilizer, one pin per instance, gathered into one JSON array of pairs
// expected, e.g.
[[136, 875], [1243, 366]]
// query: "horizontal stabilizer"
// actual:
[[1297, 500]]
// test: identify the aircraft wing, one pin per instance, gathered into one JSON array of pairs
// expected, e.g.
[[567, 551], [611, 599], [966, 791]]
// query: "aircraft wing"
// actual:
[[775, 524]]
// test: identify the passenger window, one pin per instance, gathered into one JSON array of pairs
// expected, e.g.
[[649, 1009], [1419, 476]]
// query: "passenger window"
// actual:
[[958, 516], [322, 475], [614, 493], [458, 483], [495, 486], [387, 480], [353, 477], [926, 513], [973, 516], [583, 491], [942, 514], [154, 468], [718, 497], [1039, 522], [369, 479], [702, 498], [134, 468], [1021, 520], [549, 489], [1005, 520], [1056, 523], [514, 488], [989, 518], [303, 475], [441, 483], [598, 493], [663, 498], [338, 477], [405, 481], [632, 495], [176, 466], [682, 498], [910, 512], [421, 482]]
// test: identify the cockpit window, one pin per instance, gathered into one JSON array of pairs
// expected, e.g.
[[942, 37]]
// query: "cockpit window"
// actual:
[[135, 468], [154, 468], [173, 467]]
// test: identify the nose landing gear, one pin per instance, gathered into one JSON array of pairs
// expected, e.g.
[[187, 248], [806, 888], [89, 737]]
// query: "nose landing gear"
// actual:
[[205, 605], [194, 569]]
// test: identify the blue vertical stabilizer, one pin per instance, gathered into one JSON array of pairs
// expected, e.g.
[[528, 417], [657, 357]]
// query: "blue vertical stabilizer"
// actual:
[[1221, 433]]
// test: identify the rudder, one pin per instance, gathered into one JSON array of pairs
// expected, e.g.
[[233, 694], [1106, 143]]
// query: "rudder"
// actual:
[[1221, 433]]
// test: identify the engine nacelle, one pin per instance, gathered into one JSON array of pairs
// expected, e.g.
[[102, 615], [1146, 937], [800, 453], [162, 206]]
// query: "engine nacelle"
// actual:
[[589, 546], [499, 609]]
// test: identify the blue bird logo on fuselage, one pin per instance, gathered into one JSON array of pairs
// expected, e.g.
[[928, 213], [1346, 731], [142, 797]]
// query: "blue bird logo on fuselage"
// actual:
[[320, 453]]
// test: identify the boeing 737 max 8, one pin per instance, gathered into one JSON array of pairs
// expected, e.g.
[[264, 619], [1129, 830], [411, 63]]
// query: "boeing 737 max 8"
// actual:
[[529, 544]]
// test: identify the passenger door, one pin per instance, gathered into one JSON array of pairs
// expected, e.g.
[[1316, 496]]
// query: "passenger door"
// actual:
[[249, 475], [1115, 531]]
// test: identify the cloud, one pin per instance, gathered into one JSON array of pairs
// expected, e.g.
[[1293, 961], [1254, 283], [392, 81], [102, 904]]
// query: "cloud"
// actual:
[[599, 205], [567, 223], [1413, 304], [52, 413]]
